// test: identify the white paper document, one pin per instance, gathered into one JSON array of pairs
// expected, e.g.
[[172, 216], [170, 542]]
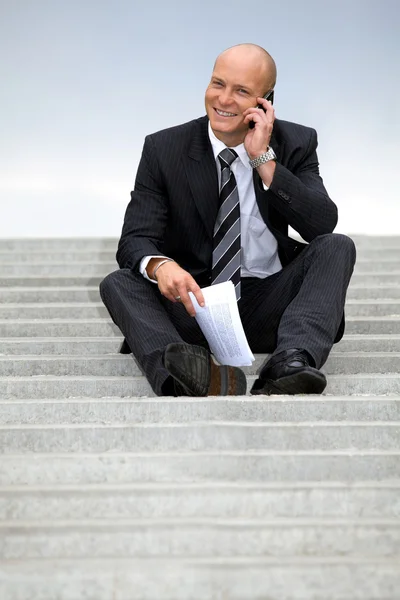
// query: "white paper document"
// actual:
[[220, 323]]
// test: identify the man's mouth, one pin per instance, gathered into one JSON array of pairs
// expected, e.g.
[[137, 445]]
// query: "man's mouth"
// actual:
[[223, 113]]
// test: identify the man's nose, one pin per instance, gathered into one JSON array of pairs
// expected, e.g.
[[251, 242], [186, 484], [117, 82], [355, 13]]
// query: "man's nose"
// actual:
[[225, 97]]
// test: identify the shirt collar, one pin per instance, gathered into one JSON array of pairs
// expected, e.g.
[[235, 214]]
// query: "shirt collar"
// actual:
[[218, 146]]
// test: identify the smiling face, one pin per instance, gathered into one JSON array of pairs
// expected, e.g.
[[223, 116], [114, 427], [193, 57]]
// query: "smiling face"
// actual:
[[240, 75]]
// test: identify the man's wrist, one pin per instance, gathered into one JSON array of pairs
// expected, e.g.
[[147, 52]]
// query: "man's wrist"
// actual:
[[254, 155], [153, 264], [262, 158], [160, 264]]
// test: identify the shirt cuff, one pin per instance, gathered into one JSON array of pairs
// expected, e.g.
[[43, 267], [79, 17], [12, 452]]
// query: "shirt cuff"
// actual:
[[266, 188], [143, 264]]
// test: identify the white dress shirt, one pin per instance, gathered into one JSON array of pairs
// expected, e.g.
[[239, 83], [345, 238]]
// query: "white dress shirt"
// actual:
[[259, 257]]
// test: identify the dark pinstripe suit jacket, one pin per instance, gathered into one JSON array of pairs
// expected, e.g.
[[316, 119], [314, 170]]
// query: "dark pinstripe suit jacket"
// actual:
[[175, 201]]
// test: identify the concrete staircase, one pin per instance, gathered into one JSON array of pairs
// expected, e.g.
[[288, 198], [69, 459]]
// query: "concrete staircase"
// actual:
[[107, 493]]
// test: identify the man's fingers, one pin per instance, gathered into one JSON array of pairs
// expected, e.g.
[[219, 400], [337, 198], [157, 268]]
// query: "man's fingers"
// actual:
[[259, 117], [269, 110], [175, 284], [265, 103], [183, 294], [266, 114], [172, 296], [187, 303], [253, 112], [199, 295], [253, 117]]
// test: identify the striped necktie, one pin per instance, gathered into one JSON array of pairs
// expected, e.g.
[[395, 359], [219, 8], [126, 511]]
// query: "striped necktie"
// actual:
[[226, 246]]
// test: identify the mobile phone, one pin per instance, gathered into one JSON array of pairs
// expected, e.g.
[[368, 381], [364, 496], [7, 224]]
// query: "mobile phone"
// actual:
[[268, 96]]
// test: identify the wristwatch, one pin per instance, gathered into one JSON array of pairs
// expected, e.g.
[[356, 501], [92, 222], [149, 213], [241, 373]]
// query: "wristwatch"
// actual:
[[260, 160]]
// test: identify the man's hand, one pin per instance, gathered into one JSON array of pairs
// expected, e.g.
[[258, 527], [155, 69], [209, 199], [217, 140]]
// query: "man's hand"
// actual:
[[174, 283], [257, 139]]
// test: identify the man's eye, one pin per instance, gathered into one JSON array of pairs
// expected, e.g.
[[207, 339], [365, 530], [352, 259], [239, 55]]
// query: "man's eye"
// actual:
[[217, 83], [243, 91]]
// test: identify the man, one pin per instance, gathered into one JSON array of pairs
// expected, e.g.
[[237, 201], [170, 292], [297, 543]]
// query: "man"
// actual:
[[213, 200]]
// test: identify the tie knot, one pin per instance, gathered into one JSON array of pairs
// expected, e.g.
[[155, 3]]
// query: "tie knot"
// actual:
[[227, 157]]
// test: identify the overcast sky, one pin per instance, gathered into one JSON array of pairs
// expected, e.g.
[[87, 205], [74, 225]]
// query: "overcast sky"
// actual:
[[83, 81]]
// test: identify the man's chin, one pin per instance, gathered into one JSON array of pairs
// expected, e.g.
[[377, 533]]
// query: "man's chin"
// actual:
[[227, 129], [223, 126]]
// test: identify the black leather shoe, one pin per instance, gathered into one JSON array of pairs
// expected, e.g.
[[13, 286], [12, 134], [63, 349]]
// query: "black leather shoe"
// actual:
[[197, 375], [289, 372]]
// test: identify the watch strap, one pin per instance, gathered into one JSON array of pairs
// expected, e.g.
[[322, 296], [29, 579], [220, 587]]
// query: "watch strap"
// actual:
[[263, 158]]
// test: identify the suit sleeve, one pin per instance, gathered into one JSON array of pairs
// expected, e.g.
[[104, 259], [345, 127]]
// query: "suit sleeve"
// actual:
[[146, 215], [298, 193]]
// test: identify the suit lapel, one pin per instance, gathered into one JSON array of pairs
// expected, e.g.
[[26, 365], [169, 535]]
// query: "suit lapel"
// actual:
[[202, 175]]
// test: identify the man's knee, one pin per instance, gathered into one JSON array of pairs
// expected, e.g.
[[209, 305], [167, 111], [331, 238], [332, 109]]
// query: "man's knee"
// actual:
[[114, 281], [107, 285], [337, 242]]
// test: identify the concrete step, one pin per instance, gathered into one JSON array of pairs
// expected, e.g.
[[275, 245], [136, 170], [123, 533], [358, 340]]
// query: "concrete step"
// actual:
[[380, 292], [233, 578], [189, 410], [349, 466], [56, 310], [58, 328], [48, 386], [372, 308], [82, 281], [49, 294], [297, 492], [80, 345], [88, 346], [377, 265], [345, 363], [114, 365], [57, 244], [73, 269], [373, 325], [201, 436], [187, 501], [103, 327], [374, 278], [374, 253], [376, 241], [93, 310], [200, 538], [68, 256]]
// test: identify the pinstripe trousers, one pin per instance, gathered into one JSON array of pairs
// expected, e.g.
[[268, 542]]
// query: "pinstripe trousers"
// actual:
[[301, 306]]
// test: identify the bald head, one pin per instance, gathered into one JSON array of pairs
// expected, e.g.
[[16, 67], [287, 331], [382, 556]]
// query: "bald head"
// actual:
[[242, 75], [254, 55]]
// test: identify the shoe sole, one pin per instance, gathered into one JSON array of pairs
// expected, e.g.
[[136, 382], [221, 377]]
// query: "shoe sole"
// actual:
[[307, 382], [218, 380], [226, 381]]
